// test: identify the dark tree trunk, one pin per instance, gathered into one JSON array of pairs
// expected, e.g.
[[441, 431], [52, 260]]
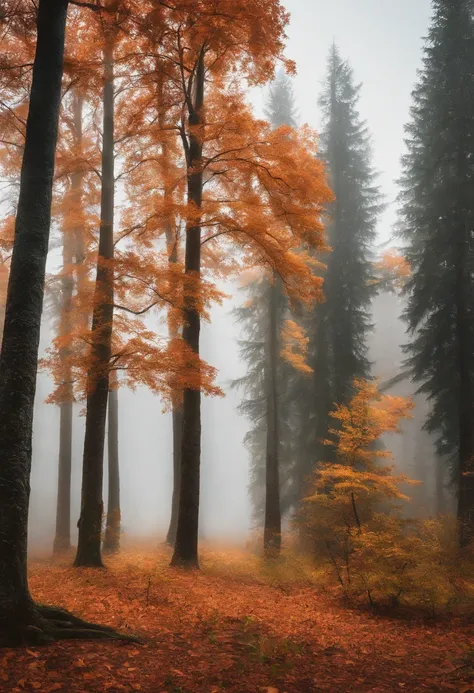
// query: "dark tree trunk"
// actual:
[[186, 544], [62, 540], [90, 521], [466, 410], [19, 356], [112, 528], [272, 521], [440, 488]]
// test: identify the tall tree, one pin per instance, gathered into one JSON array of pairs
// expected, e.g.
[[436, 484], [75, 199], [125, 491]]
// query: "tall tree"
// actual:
[[21, 620], [72, 254], [219, 135], [268, 377], [90, 520], [437, 218], [342, 322]]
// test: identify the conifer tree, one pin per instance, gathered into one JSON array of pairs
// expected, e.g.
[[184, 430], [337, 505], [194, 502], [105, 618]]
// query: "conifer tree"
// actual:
[[339, 326], [437, 217]]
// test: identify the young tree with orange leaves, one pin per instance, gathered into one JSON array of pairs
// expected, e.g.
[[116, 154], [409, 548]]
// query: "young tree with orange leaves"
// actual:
[[346, 495]]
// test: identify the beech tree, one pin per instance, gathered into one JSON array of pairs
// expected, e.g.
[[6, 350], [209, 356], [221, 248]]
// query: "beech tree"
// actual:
[[21, 619], [238, 176]]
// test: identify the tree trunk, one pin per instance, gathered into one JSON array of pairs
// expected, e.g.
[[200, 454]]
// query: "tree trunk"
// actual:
[[440, 489], [112, 528], [62, 540], [466, 435], [177, 416], [19, 357], [272, 522], [186, 544], [90, 521]]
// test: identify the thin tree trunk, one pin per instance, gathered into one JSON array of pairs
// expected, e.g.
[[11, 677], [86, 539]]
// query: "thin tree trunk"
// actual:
[[62, 540], [272, 522], [112, 528], [186, 544], [19, 356], [90, 521], [440, 489]]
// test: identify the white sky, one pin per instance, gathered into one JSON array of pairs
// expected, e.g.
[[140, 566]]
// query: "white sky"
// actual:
[[382, 40]]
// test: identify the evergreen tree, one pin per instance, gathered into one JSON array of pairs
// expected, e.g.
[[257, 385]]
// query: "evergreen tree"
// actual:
[[437, 215], [341, 324], [345, 316]]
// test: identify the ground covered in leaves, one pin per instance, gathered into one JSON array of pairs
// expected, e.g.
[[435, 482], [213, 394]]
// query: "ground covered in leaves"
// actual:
[[234, 626]]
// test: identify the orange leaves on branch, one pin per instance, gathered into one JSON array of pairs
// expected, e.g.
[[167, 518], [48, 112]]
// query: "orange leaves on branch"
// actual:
[[295, 346], [361, 423], [392, 270]]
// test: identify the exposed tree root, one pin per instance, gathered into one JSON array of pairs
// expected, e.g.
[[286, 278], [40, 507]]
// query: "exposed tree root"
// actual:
[[43, 624]]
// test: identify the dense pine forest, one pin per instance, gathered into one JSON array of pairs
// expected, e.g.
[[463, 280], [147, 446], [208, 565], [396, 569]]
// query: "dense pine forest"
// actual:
[[236, 369]]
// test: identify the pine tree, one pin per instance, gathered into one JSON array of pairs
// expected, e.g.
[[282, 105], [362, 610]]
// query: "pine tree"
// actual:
[[339, 327], [437, 217]]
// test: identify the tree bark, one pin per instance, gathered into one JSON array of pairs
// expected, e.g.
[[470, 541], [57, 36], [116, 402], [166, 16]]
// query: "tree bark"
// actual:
[[112, 528], [186, 544], [62, 540], [177, 416], [272, 522], [466, 434], [440, 489], [19, 618], [90, 521]]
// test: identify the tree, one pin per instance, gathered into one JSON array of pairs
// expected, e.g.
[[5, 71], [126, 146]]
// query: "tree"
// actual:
[[248, 173], [345, 495], [342, 322], [21, 620], [73, 257], [90, 520], [436, 219], [267, 383]]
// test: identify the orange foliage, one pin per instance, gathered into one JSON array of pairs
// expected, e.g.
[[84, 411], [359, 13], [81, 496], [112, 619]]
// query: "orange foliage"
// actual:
[[392, 270], [229, 628]]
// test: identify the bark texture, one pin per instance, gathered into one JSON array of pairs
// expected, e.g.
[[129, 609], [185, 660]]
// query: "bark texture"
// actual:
[[186, 544], [90, 521], [21, 620], [272, 522], [112, 528], [72, 252]]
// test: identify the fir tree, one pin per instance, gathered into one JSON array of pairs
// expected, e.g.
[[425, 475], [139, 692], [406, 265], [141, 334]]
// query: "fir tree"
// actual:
[[339, 327], [437, 215]]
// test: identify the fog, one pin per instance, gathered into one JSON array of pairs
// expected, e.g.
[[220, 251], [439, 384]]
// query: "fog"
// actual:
[[383, 42]]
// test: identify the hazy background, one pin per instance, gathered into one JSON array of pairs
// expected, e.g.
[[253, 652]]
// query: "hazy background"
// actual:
[[382, 39]]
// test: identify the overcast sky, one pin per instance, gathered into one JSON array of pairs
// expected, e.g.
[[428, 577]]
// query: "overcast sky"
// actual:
[[382, 39]]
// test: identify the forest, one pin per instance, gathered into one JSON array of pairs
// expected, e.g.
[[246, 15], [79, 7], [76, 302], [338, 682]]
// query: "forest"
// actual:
[[237, 357]]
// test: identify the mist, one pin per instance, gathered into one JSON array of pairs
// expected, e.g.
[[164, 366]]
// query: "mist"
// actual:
[[392, 32]]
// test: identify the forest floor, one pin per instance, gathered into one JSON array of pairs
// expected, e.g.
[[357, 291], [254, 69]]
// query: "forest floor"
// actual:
[[234, 626]]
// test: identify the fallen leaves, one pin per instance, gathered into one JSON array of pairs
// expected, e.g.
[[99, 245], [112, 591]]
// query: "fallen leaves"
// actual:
[[229, 629]]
